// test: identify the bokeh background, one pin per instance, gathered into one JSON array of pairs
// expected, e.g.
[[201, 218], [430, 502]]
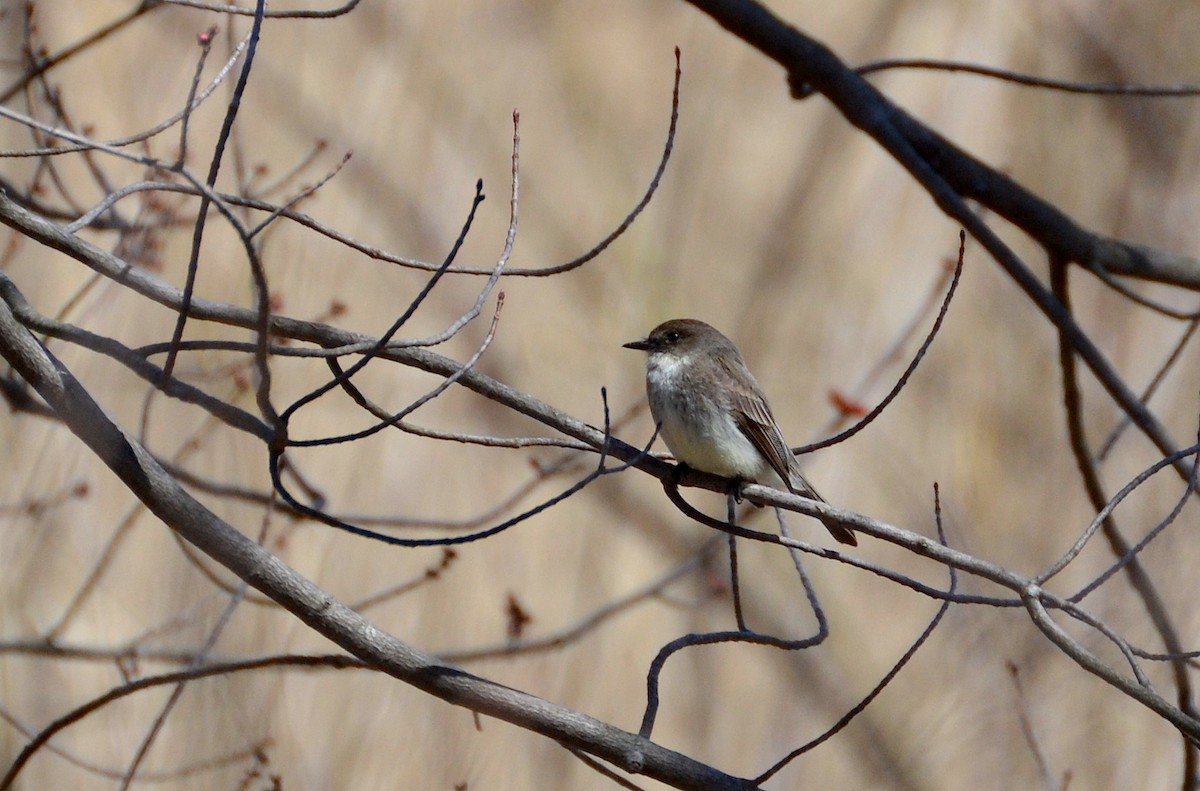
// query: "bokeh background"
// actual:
[[778, 223]]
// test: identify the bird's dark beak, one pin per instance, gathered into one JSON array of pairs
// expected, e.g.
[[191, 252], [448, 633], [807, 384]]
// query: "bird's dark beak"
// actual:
[[641, 346]]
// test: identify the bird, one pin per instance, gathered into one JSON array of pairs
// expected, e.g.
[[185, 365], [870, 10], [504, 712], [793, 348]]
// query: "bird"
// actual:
[[712, 413]]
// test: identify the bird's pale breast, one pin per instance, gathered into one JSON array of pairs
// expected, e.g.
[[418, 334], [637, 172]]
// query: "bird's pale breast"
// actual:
[[697, 426]]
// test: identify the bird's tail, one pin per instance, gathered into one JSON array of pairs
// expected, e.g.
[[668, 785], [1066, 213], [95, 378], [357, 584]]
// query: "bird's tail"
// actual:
[[800, 485]]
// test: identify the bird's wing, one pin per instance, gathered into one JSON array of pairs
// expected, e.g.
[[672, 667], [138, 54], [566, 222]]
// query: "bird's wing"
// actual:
[[755, 420]]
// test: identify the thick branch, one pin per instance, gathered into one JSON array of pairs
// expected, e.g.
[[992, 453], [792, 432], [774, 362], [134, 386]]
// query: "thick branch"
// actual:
[[810, 63], [150, 482], [949, 176], [181, 512]]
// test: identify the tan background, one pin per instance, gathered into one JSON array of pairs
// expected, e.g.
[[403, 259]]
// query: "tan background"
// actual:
[[777, 223]]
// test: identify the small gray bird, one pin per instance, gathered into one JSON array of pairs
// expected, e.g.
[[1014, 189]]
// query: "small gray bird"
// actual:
[[713, 415]]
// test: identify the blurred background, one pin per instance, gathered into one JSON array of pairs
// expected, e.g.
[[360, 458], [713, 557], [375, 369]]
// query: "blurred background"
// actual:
[[777, 222]]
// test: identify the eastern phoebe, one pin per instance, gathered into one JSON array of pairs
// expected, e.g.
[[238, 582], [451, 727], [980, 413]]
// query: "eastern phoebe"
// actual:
[[712, 413]]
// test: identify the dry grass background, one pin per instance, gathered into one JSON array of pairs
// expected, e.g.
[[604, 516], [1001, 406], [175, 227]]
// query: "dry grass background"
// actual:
[[777, 223]]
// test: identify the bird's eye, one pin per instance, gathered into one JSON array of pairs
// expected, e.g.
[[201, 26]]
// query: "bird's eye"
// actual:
[[671, 337]]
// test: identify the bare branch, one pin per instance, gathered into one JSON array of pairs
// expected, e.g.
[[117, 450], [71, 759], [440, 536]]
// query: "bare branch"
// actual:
[[146, 479]]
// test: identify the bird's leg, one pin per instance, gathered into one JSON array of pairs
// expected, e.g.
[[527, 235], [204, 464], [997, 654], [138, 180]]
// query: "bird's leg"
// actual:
[[678, 472], [733, 488]]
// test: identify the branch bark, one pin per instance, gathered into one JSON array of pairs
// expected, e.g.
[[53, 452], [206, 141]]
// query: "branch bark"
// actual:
[[138, 470]]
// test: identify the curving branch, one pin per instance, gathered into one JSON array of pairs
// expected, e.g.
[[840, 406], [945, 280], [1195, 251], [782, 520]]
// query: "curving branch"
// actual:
[[139, 471]]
